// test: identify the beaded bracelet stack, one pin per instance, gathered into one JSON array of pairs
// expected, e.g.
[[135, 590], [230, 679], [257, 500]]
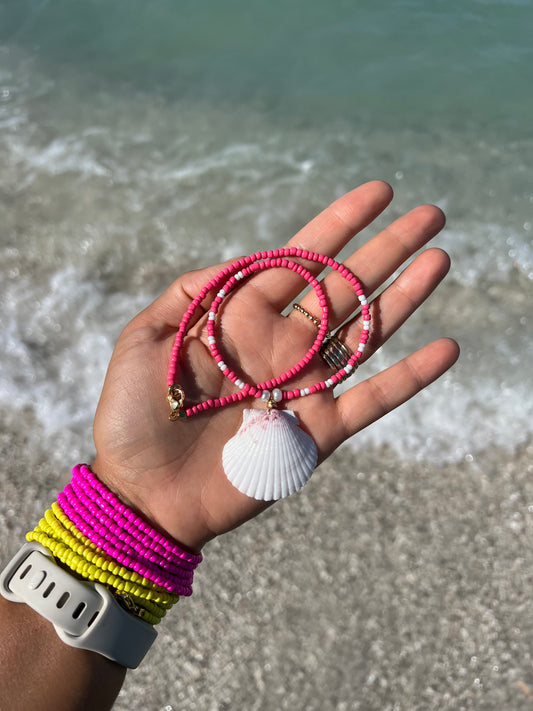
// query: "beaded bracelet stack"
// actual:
[[92, 533]]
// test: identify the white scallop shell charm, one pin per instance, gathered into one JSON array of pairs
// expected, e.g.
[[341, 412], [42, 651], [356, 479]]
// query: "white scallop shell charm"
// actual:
[[270, 457]]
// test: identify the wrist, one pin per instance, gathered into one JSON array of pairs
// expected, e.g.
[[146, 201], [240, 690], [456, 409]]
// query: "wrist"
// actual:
[[93, 552], [153, 502], [85, 615]]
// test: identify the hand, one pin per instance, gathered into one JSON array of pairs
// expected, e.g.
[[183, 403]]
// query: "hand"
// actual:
[[172, 471]]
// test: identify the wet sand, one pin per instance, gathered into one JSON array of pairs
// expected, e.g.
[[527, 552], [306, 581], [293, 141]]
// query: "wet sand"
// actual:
[[384, 585]]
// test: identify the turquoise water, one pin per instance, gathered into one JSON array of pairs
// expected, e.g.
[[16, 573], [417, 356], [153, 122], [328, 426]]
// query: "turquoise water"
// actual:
[[141, 139], [317, 60]]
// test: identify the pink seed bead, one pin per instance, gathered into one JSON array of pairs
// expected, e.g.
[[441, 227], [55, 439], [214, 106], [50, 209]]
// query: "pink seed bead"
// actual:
[[248, 266]]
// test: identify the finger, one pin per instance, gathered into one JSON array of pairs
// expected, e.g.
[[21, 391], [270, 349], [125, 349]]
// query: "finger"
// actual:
[[166, 312], [327, 233], [373, 398], [377, 260], [399, 301]]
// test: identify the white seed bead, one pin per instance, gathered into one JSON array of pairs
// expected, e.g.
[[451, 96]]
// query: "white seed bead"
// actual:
[[304, 392], [366, 325], [361, 347], [328, 383], [221, 293], [277, 395], [211, 316], [239, 384], [363, 300], [348, 368], [211, 340], [222, 365], [239, 275]]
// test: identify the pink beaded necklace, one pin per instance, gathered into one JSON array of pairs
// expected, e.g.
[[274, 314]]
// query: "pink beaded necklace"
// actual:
[[270, 456]]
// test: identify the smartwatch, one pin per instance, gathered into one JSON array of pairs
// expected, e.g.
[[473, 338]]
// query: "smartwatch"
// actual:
[[84, 614]]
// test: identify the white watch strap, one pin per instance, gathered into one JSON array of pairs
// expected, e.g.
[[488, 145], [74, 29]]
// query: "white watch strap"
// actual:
[[84, 614]]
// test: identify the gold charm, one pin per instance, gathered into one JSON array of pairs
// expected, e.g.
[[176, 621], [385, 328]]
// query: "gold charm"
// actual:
[[175, 398]]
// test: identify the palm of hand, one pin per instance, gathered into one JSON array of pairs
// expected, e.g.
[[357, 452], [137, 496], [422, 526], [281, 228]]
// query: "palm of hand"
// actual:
[[172, 471]]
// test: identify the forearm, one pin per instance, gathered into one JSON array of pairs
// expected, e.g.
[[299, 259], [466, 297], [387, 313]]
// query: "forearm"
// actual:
[[38, 671], [104, 576]]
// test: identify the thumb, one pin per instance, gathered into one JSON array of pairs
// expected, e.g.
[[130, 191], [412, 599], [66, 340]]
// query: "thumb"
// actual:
[[166, 312]]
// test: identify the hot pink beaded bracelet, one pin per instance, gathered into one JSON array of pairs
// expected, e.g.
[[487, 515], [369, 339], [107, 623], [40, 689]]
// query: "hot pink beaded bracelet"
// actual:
[[139, 527], [124, 536], [105, 533], [128, 525], [270, 456]]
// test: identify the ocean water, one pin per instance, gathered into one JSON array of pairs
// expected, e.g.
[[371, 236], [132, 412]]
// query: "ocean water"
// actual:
[[138, 140]]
